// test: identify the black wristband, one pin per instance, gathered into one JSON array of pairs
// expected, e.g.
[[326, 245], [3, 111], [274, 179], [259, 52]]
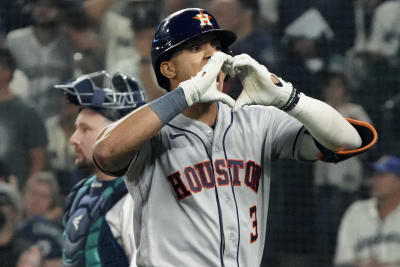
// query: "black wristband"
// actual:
[[293, 100]]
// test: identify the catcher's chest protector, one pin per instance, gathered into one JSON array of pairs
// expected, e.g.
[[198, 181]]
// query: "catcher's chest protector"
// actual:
[[88, 240]]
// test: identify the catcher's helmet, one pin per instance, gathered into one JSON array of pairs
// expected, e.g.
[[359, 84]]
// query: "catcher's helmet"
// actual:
[[113, 97], [180, 27]]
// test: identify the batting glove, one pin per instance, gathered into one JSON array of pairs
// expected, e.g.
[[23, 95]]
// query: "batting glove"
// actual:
[[202, 88], [262, 87]]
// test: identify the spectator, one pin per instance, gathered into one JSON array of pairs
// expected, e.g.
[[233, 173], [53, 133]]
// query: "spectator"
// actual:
[[23, 136], [43, 53], [385, 33], [375, 62], [364, 11], [336, 185], [269, 13], [42, 238], [356, 56], [60, 152], [115, 31], [144, 23], [306, 55], [41, 228], [41, 196], [20, 82], [10, 214], [100, 37], [259, 44], [369, 233]]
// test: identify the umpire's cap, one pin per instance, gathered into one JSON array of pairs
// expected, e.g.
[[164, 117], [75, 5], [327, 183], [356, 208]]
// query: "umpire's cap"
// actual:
[[120, 95], [179, 28]]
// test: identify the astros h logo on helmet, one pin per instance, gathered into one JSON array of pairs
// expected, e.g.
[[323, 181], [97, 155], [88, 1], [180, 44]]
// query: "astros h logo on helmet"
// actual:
[[204, 19]]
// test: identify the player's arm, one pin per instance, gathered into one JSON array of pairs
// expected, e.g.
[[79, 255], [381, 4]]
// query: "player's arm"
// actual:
[[120, 142], [331, 138]]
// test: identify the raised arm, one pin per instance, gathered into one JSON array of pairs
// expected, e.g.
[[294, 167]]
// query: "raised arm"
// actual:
[[330, 132], [119, 142]]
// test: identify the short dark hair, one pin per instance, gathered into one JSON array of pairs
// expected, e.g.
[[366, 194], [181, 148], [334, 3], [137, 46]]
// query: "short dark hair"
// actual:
[[7, 59]]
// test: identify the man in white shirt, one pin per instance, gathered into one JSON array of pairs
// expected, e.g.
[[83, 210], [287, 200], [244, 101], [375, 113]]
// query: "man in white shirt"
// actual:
[[369, 234]]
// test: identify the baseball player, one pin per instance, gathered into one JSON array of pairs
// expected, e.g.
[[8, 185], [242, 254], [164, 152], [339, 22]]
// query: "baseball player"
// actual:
[[198, 163], [99, 211]]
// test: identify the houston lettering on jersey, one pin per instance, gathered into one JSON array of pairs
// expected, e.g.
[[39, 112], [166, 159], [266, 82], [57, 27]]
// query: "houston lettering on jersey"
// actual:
[[193, 179]]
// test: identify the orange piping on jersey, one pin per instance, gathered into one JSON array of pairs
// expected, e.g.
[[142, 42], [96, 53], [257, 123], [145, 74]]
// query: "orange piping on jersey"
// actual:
[[358, 150]]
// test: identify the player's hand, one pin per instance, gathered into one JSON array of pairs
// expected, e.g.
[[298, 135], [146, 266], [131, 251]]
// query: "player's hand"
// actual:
[[259, 85], [202, 88]]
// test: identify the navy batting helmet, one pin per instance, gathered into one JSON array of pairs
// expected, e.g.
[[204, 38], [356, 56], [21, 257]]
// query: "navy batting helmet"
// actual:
[[180, 27], [113, 97]]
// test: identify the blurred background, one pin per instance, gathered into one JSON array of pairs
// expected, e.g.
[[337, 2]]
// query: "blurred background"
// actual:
[[343, 52]]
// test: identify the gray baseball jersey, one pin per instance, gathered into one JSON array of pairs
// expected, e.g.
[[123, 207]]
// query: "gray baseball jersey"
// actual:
[[201, 194]]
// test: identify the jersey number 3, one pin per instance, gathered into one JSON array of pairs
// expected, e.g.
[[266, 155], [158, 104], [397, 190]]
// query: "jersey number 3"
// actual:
[[253, 215]]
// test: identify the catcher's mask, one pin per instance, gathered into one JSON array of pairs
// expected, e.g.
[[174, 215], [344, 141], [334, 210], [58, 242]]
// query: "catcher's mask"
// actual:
[[113, 97]]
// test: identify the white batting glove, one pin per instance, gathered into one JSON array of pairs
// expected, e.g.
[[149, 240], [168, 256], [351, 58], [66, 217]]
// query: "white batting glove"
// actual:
[[259, 85], [202, 88]]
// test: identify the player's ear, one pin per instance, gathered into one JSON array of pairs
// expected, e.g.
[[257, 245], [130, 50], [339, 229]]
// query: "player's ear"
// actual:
[[167, 69]]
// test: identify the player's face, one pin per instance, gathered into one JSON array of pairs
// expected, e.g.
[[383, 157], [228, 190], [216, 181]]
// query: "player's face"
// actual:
[[38, 199], [385, 184], [88, 125], [188, 61]]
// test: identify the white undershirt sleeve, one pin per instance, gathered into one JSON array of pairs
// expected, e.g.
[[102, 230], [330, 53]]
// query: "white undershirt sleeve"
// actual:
[[326, 125]]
